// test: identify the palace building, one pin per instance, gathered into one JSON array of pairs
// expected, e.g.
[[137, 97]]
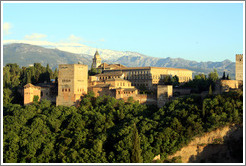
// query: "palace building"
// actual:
[[149, 77], [146, 76]]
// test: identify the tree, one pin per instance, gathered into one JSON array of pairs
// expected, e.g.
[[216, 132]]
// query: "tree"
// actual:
[[35, 98], [213, 76], [223, 77], [228, 77], [136, 150], [29, 77], [210, 92], [175, 80], [93, 71]]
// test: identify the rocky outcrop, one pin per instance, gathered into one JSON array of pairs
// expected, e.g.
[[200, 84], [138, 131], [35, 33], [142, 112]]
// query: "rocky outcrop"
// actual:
[[218, 146]]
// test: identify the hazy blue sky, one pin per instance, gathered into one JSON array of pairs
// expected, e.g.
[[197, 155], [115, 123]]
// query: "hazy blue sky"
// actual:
[[194, 31]]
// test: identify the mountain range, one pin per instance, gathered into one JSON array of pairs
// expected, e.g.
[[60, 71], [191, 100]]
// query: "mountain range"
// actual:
[[27, 54]]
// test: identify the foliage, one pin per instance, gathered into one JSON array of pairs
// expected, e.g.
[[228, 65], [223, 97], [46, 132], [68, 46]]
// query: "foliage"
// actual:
[[15, 78], [101, 129], [202, 82], [210, 92], [136, 150]]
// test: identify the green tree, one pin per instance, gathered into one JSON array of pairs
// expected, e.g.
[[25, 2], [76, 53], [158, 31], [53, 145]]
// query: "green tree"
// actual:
[[228, 77], [210, 92], [136, 150], [213, 76], [35, 99], [223, 77]]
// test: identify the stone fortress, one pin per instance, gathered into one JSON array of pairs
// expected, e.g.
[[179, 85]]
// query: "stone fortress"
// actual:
[[118, 81]]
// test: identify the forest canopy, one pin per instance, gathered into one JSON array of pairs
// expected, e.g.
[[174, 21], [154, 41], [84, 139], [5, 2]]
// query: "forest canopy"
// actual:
[[102, 129]]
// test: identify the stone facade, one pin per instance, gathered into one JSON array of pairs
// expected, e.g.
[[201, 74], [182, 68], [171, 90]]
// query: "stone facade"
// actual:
[[164, 94], [149, 77], [227, 85], [72, 84], [48, 91], [239, 67], [96, 60], [29, 92]]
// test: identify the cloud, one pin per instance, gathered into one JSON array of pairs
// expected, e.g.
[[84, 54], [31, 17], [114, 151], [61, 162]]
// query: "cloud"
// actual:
[[44, 43], [6, 28], [74, 39], [35, 36], [102, 40]]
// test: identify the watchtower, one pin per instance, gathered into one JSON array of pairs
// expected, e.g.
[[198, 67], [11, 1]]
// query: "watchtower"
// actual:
[[239, 67], [72, 84]]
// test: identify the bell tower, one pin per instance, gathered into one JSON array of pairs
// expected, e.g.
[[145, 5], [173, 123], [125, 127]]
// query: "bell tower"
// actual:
[[96, 60]]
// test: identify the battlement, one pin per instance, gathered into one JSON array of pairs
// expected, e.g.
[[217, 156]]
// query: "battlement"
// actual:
[[239, 57]]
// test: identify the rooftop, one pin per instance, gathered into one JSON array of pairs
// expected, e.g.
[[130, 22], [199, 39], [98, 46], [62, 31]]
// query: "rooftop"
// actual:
[[147, 68]]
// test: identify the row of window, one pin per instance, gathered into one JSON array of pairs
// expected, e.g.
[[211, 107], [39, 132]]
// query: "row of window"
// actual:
[[134, 84], [68, 90], [66, 80], [123, 84], [28, 93], [128, 92], [108, 77], [138, 72]]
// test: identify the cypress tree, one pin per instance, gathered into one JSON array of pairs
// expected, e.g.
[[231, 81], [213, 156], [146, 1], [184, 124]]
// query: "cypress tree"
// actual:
[[228, 77], [210, 90], [136, 150], [29, 79], [223, 77]]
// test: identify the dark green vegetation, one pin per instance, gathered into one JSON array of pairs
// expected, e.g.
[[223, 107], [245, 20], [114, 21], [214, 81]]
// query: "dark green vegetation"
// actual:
[[15, 77], [102, 129], [202, 82], [25, 54]]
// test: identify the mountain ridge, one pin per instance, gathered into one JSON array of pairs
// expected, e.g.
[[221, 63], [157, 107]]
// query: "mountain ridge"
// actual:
[[25, 54]]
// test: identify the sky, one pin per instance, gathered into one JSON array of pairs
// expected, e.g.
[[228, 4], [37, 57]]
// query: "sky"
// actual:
[[193, 31]]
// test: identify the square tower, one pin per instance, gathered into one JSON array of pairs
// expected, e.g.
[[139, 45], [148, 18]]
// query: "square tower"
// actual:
[[164, 94], [72, 84], [239, 67]]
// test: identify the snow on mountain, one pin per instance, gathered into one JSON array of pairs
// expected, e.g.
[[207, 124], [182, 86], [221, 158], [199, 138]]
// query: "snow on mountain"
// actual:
[[78, 48]]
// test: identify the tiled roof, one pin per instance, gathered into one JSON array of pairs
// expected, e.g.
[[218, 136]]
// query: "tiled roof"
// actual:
[[30, 85], [116, 73], [102, 86], [144, 68], [114, 66]]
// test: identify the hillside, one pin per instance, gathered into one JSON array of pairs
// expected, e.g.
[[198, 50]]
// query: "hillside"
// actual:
[[26, 54]]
